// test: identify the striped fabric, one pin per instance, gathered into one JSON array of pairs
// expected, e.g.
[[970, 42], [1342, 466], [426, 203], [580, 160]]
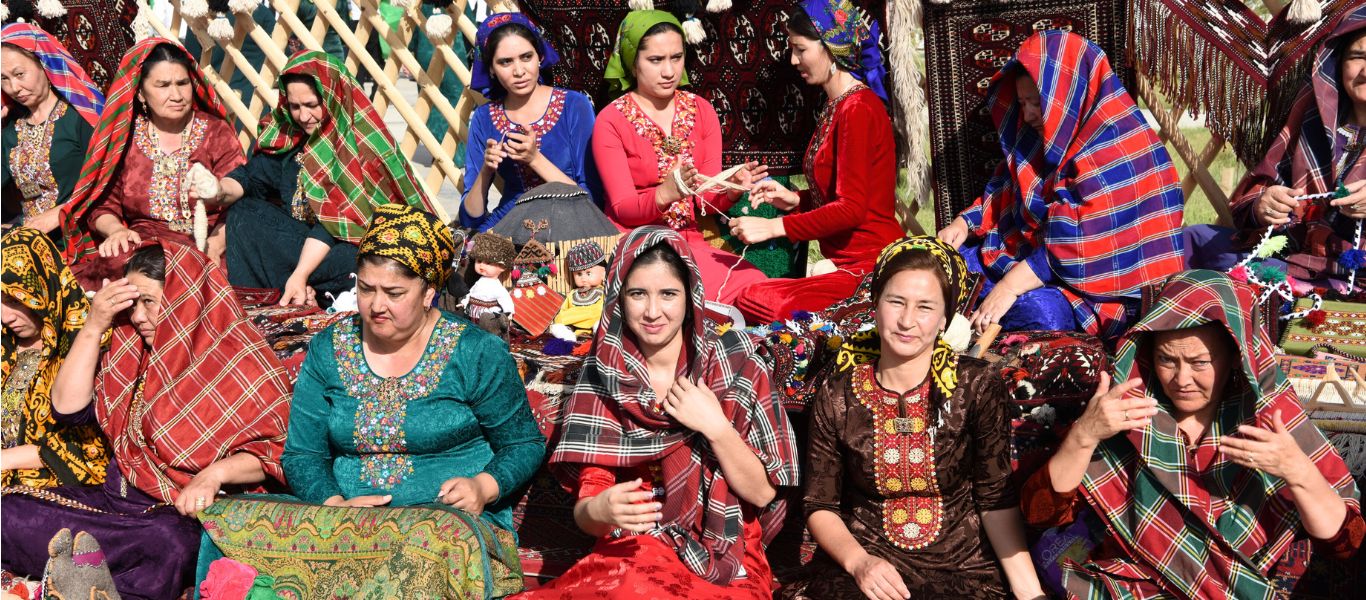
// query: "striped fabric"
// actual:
[[210, 387], [1216, 531], [109, 142], [612, 421], [1097, 191], [350, 163], [66, 75]]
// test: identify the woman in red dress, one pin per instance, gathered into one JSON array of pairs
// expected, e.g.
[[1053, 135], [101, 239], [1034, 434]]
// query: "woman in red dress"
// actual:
[[850, 165]]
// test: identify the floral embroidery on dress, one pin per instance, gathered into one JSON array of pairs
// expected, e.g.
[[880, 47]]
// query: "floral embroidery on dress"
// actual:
[[903, 461], [167, 196], [15, 396], [823, 126], [669, 146], [299, 206], [383, 401], [553, 111], [31, 163]]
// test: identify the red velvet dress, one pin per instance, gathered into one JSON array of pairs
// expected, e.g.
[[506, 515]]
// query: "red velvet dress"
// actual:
[[643, 566], [850, 208], [148, 195], [634, 155]]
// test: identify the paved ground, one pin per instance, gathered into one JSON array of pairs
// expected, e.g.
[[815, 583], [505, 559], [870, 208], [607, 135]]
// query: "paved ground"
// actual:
[[448, 196]]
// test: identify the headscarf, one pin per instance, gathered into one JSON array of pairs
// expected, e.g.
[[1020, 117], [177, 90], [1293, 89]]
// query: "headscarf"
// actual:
[[613, 421], [1159, 506], [110, 141], [1097, 191], [620, 71], [35, 277], [65, 75], [414, 238], [480, 79], [852, 37], [350, 163], [207, 387], [1310, 150]]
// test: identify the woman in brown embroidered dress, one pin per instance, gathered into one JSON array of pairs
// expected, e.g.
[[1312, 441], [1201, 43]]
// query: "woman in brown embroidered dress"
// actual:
[[907, 487]]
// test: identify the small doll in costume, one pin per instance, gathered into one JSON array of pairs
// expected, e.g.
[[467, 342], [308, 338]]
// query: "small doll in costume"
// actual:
[[489, 305], [536, 303], [582, 309]]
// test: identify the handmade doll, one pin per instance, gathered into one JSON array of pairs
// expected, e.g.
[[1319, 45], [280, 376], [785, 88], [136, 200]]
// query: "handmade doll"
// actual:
[[489, 304], [582, 309], [536, 302]]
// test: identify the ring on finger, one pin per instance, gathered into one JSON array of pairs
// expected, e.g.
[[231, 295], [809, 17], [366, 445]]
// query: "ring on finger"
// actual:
[[1126, 415]]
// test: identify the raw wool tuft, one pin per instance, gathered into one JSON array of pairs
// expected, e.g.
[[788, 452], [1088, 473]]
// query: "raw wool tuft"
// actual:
[[439, 26], [243, 7], [958, 335], [640, 4], [4, 12], [716, 6], [142, 28], [220, 29], [51, 8], [194, 9], [201, 225], [693, 31], [1304, 12], [904, 25]]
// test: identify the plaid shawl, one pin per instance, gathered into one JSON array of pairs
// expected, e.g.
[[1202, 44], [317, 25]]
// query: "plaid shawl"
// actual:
[[111, 138], [1210, 534], [610, 422], [1097, 191], [350, 163], [66, 75], [210, 387], [35, 276], [1308, 150]]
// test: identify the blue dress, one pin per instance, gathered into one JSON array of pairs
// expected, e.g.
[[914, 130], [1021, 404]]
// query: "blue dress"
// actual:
[[565, 132]]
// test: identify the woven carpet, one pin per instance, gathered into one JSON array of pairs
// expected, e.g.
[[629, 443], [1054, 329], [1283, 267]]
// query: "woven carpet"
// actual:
[[97, 32], [966, 42]]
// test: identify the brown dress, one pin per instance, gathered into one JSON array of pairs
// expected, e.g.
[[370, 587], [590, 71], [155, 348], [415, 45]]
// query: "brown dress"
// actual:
[[908, 491]]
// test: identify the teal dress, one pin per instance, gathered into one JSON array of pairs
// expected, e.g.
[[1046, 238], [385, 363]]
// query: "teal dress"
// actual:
[[461, 411]]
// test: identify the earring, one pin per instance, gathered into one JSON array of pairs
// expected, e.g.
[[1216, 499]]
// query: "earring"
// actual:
[[833, 69]]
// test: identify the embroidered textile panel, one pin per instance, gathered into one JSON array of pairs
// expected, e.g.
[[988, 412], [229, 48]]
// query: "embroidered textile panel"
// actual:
[[96, 32]]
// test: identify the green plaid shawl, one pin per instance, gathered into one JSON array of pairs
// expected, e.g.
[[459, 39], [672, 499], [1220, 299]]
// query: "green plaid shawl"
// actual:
[[1214, 533], [350, 163]]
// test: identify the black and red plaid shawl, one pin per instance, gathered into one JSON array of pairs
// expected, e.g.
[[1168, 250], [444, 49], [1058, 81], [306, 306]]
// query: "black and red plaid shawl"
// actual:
[[210, 385], [611, 422]]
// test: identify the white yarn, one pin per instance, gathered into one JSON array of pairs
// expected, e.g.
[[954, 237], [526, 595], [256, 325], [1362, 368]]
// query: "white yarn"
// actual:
[[201, 226], [640, 4], [344, 302], [243, 7], [1304, 12], [194, 9], [202, 182], [220, 28], [563, 332], [958, 335], [693, 31], [51, 8], [439, 27], [716, 6]]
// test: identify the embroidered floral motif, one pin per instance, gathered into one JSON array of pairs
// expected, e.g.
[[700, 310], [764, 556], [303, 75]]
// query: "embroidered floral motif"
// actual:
[[31, 163], [383, 408], [669, 146], [15, 395], [903, 461], [299, 206], [167, 196], [553, 111], [823, 125]]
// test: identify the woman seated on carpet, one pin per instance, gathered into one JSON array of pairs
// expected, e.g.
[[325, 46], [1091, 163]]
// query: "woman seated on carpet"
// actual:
[[1203, 448], [851, 204], [324, 160], [1086, 208], [528, 133], [402, 406], [180, 348], [44, 309], [50, 108], [138, 184], [656, 142], [674, 441], [907, 492], [1319, 150]]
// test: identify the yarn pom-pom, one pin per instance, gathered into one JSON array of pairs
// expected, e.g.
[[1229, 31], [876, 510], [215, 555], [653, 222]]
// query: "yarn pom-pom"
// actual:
[[1272, 246], [194, 9], [834, 342], [1304, 12], [558, 347], [716, 6], [1315, 318], [516, 274], [1268, 273], [801, 316], [1238, 273], [51, 8], [1353, 259], [243, 7], [220, 28], [439, 26], [641, 4], [692, 31]]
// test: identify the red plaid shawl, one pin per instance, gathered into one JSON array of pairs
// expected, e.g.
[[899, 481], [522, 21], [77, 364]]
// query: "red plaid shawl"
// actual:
[[1216, 532], [610, 423], [1306, 154], [1097, 191], [109, 142], [210, 385]]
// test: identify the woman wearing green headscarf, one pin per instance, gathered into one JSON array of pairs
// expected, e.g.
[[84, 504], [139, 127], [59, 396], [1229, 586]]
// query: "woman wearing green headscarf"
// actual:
[[668, 141], [324, 160]]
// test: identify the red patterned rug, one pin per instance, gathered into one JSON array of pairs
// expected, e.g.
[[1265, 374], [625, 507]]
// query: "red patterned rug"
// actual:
[[97, 32]]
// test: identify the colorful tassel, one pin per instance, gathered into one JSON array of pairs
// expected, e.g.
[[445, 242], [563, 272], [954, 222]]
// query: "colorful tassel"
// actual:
[[1315, 318], [1238, 273], [693, 31], [1353, 259], [1271, 246]]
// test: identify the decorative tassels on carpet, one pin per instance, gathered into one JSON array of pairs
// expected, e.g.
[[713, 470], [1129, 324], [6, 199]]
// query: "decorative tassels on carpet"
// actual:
[[1304, 12]]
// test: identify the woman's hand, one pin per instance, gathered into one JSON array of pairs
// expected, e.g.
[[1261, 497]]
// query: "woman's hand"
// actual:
[[668, 192], [119, 242], [1270, 449], [1354, 205], [752, 230], [771, 192], [200, 493], [46, 221], [878, 579], [523, 146], [112, 299], [994, 307], [298, 292], [358, 501], [956, 233], [469, 494], [696, 407], [1275, 204], [747, 176], [626, 506], [1109, 413], [494, 153]]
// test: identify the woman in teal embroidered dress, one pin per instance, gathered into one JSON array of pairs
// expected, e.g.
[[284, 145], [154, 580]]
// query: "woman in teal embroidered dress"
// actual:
[[410, 439]]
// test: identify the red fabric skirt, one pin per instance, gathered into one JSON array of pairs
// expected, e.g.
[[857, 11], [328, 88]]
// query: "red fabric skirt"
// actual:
[[777, 299]]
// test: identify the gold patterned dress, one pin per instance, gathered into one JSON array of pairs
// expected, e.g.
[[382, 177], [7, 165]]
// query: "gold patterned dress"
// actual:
[[42, 161]]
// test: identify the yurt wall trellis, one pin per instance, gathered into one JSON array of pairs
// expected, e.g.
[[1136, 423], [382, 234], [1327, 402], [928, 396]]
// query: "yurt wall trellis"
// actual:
[[385, 74]]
